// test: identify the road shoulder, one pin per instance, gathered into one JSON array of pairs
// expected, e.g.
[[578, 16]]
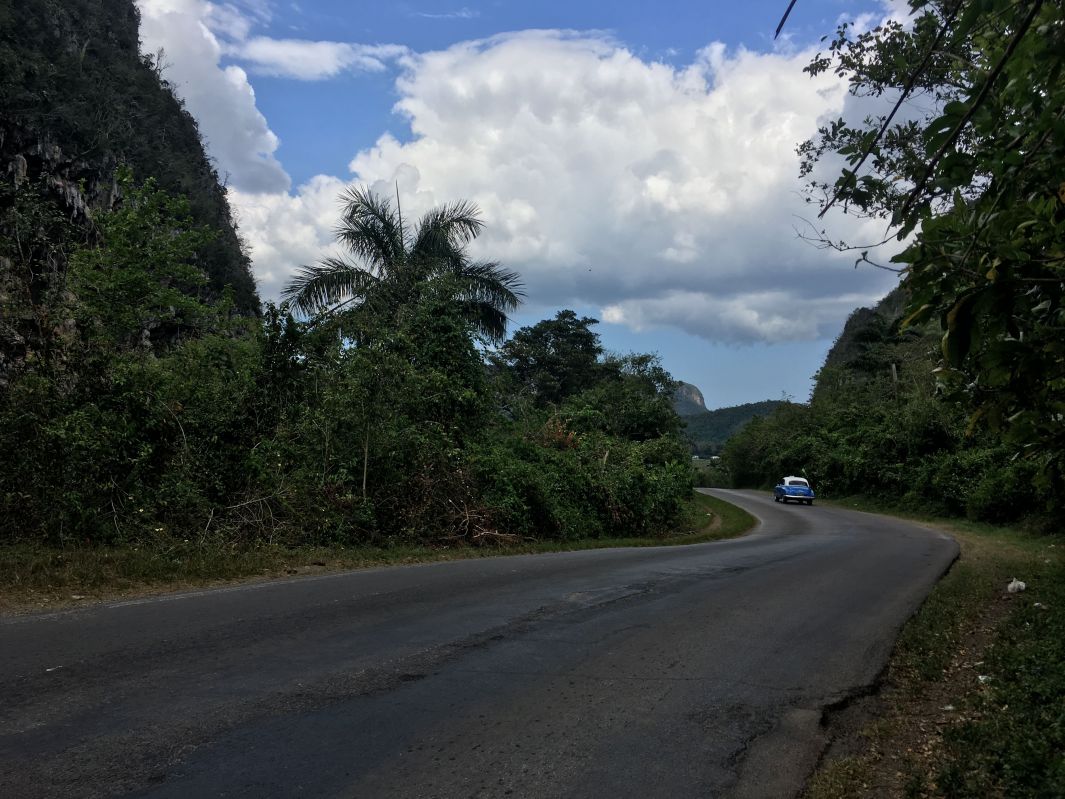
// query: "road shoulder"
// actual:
[[937, 710], [40, 578]]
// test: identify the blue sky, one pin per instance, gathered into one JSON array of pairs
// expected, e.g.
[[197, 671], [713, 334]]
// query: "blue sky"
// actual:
[[633, 162], [667, 31]]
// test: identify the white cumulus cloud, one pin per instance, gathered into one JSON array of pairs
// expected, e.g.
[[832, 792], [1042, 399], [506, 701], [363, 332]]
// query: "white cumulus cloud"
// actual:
[[286, 231], [196, 37], [664, 196], [220, 98], [312, 60]]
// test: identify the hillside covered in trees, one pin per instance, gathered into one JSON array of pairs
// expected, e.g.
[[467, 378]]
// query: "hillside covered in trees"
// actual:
[[80, 104], [707, 432], [876, 425], [80, 100]]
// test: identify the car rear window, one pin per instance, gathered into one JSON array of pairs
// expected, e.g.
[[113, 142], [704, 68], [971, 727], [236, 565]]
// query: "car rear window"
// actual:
[[797, 483]]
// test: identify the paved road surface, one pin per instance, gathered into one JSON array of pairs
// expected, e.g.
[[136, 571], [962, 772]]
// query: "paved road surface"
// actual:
[[674, 672]]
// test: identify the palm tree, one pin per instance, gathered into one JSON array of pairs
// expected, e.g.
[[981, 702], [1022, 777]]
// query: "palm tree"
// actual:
[[395, 265]]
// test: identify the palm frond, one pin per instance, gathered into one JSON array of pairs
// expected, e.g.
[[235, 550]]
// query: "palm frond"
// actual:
[[445, 231], [370, 229], [485, 318], [487, 281], [318, 287], [397, 270]]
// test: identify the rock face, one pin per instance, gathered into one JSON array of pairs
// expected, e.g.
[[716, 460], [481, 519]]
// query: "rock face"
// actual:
[[688, 400], [78, 100]]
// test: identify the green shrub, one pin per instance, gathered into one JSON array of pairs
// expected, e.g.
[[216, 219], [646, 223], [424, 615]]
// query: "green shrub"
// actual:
[[1006, 492]]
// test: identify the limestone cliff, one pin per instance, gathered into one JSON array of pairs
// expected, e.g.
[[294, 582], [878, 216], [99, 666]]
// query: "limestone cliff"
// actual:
[[77, 99], [688, 400]]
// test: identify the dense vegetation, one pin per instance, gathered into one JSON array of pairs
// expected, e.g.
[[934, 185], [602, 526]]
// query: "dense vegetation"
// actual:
[[146, 398], [875, 425], [708, 431], [140, 396], [160, 412], [969, 175]]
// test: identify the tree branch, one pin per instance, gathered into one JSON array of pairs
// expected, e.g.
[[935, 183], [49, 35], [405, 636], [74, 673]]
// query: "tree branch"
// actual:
[[984, 91], [914, 76]]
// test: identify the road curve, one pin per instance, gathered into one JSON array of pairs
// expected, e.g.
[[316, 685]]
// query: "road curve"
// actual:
[[668, 672]]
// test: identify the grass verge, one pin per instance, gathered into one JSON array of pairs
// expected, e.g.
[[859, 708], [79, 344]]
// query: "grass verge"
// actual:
[[35, 577], [972, 701]]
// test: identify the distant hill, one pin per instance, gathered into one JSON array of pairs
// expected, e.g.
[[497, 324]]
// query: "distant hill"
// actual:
[[707, 431], [864, 328]]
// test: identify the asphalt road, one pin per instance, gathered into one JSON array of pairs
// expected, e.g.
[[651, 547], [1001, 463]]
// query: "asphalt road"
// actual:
[[670, 672]]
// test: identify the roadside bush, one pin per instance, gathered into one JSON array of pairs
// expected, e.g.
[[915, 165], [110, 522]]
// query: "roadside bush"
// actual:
[[157, 414], [710, 474], [1007, 491], [532, 489], [599, 487]]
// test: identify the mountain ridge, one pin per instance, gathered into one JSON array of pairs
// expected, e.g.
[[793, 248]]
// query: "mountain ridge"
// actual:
[[706, 429]]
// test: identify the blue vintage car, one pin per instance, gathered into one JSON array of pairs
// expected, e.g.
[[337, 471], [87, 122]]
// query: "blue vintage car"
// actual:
[[794, 488]]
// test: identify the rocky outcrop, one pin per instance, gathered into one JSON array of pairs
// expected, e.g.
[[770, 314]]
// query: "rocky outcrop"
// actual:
[[78, 100], [77, 103], [688, 400]]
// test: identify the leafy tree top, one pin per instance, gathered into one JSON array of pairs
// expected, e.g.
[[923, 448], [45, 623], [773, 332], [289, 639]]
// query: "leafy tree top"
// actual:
[[392, 265], [555, 358]]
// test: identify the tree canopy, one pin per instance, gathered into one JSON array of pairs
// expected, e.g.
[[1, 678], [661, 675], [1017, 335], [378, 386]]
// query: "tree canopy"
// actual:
[[966, 169], [555, 358], [394, 265]]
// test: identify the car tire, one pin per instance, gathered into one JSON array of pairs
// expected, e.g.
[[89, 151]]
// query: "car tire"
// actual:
[[809, 502], [784, 500]]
